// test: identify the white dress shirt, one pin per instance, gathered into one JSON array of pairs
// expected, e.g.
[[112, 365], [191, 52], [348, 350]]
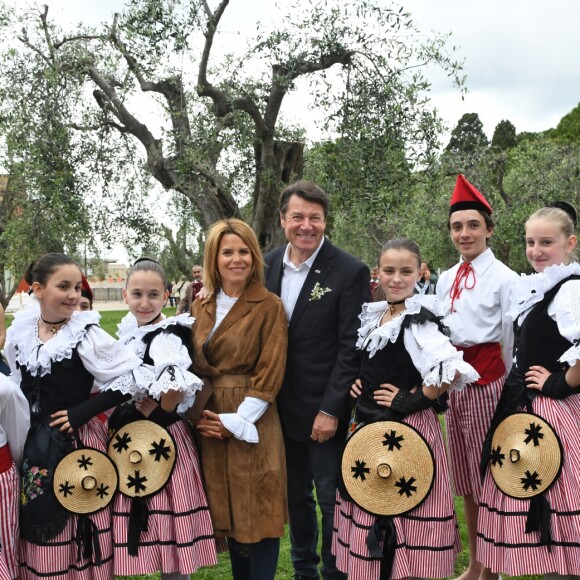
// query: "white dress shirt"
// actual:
[[293, 278], [480, 313]]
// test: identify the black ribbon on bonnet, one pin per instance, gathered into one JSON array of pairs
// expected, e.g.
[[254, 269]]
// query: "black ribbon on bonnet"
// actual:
[[383, 532], [138, 522]]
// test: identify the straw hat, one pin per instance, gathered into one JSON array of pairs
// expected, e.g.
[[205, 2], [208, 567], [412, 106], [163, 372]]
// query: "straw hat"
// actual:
[[526, 455], [144, 454], [387, 468], [85, 481]]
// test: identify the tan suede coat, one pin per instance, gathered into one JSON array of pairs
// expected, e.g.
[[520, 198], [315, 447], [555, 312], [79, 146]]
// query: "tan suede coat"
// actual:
[[246, 356]]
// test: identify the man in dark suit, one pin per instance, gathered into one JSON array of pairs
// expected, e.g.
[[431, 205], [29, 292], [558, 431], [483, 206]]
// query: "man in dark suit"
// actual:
[[322, 288]]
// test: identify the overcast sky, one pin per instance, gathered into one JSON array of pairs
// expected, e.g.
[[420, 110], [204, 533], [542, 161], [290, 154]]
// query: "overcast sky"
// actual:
[[522, 57]]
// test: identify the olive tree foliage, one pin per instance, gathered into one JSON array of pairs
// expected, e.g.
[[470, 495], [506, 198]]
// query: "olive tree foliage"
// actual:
[[211, 128], [41, 209], [568, 128], [370, 170]]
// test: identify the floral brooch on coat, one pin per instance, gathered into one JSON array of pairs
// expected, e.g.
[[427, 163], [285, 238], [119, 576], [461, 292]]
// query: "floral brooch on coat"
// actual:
[[318, 292]]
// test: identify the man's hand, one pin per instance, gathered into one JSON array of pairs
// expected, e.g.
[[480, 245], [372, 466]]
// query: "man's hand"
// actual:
[[202, 294], [324, 427]]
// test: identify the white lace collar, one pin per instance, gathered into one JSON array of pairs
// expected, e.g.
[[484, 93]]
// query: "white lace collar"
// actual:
[[128, 326], [373, 337], [531, 289], [38, 356]]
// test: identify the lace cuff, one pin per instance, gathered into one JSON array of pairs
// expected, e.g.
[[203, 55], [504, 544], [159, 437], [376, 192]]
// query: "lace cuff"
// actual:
[[445, 373], [133, 383], [174, 378], [241, 423], [572, 355]]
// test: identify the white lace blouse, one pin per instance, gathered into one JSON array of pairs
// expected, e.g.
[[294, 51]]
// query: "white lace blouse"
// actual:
[[564, 309], [96, 348], [432, 353], [170, 356]]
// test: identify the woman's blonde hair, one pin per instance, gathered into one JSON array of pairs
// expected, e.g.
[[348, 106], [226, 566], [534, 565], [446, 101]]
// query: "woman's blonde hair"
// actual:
[[211, 277], [560, 219]]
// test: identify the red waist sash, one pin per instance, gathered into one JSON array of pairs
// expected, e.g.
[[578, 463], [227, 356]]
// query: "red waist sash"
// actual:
[[6, 460], [486, 359]]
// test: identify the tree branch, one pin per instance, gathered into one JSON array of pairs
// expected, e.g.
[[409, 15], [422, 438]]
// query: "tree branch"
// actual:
[[98, 126], [223, 105]]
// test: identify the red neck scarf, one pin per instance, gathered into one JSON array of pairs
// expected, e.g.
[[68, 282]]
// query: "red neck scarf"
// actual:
[[465, 273]]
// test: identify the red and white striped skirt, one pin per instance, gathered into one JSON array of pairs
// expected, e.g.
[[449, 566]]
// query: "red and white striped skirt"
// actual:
[[57, 558], [9, 504], [427, 537], [502, 543], [468, 419], [180, 534], [4, 572]]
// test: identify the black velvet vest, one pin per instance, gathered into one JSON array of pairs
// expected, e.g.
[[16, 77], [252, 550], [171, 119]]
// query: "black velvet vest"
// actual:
[[67, 385], [538, 340]]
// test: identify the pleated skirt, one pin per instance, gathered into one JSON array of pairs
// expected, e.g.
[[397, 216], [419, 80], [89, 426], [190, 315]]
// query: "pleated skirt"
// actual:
[[9, 530], [58, 558], [180, 536], [427, 537], [502, 542]]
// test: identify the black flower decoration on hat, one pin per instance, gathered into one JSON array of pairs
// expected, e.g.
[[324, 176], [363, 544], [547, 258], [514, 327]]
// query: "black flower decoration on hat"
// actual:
[[102, 490], [531, 480], [122, 442], [65, 488], [393, 440], [497, 456], [160, 450], [359, 470], [406, 487], [84, 462], [534, 433], [137, 482]]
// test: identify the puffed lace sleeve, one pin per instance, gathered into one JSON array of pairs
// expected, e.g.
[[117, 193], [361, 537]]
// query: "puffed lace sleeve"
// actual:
[[114, 366], [436, 358], [171, 363], [567, 312]]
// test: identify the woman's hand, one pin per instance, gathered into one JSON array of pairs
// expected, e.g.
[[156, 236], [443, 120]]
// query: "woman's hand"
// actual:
[[356, 389], [536, 377], [385, 395], [146, 406], [61, 418], [210, 425]]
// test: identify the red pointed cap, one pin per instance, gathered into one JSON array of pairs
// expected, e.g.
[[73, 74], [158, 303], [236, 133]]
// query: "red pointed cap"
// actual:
[[465, 196], [86, 288]]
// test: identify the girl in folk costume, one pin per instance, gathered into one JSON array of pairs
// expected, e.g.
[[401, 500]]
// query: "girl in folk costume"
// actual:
[[539, 535], [57, 353], [14, 425], [408, 363], [240, 345], [178, 537], [474, 297]]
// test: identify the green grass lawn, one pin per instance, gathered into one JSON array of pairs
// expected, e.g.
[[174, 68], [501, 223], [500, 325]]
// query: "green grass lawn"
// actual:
[[109, 322]]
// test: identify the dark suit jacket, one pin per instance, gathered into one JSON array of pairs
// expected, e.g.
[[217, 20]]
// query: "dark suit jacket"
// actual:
[[322, 358]]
